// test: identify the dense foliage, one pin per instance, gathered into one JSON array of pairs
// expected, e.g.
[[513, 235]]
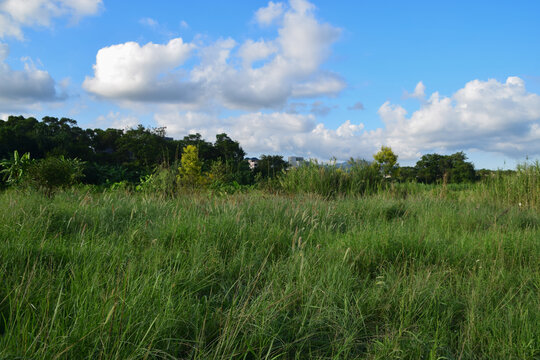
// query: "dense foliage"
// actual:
[[448, 168], [146, 159], [112, 155]]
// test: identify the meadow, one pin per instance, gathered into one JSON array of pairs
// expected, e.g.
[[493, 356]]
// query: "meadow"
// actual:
[[411, 271]]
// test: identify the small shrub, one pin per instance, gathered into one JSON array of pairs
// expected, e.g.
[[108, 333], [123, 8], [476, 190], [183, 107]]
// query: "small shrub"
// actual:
[[52, 173], [161, 181], [121, 186]]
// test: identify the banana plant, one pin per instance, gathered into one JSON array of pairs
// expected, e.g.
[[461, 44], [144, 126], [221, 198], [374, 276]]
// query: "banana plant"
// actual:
[[14, 169]]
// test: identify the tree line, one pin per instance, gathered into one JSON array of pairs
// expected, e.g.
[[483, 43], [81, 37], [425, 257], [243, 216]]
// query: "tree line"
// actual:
[[112, 155]]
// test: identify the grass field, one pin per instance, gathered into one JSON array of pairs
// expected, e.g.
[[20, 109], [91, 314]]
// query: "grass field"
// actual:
[[409, 273]]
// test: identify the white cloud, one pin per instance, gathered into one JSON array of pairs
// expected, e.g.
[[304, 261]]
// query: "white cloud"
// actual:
[[283, 133], [269, 14], [142, 73], [28, 87], [273, 71], [148, 22], [488, 116], [323, 84], [15, 14], [19, 88], [116, 120], [484, 115], [252, 51], [302, 6], [291, 71], [419, 92]]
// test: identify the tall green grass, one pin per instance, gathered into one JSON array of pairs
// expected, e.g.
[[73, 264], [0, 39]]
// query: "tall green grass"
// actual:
[[418, 272], [523, 187], [330, 180], [412, 272]]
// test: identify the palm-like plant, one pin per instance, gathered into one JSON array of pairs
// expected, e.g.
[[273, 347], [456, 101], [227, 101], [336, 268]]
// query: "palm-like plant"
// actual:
[[14, 169]]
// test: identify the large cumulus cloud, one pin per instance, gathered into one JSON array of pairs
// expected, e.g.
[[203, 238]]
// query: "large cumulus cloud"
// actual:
[[148, 73], [487, 115], [28, 87], [255, 74]]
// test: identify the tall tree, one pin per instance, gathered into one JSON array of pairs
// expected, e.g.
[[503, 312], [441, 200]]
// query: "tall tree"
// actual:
[[434, 167], [270, 165], [227, 149], [144, 146], [386, 160], [207, 151], [190, 172]]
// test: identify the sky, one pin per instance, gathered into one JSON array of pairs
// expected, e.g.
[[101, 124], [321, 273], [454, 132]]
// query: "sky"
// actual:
[[319, 79]]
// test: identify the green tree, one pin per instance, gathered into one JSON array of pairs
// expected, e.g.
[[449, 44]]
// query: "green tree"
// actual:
[[62, 137], [206, 150], [386, 161], [145, 147], [227, 149], [190, 171], [19, 133], [406, 174], [270, 165], [460, 170], [434, 167]]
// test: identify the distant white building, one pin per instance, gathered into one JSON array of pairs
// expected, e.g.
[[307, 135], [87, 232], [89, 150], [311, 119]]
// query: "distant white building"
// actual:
[[253, 163], [295, 161]]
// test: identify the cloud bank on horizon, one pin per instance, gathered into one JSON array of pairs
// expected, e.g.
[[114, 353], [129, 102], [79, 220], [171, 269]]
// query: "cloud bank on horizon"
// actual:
[[269, 93]]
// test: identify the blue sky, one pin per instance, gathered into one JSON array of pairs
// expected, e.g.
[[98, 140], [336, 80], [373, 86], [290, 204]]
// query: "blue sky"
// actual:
[[315, 79]]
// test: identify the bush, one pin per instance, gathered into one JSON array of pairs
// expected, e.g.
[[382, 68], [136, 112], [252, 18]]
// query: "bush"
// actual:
[[52, 173], [161, 181]]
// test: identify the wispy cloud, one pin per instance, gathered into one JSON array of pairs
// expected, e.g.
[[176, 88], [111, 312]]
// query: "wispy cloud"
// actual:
[[16, 14], [148, 22], [356, 106]]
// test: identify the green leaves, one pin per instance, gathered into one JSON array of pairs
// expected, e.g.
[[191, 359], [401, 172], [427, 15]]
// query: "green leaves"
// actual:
[[190, 172], [386, 161], [13, 170], [434, 167], [54, 172]]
